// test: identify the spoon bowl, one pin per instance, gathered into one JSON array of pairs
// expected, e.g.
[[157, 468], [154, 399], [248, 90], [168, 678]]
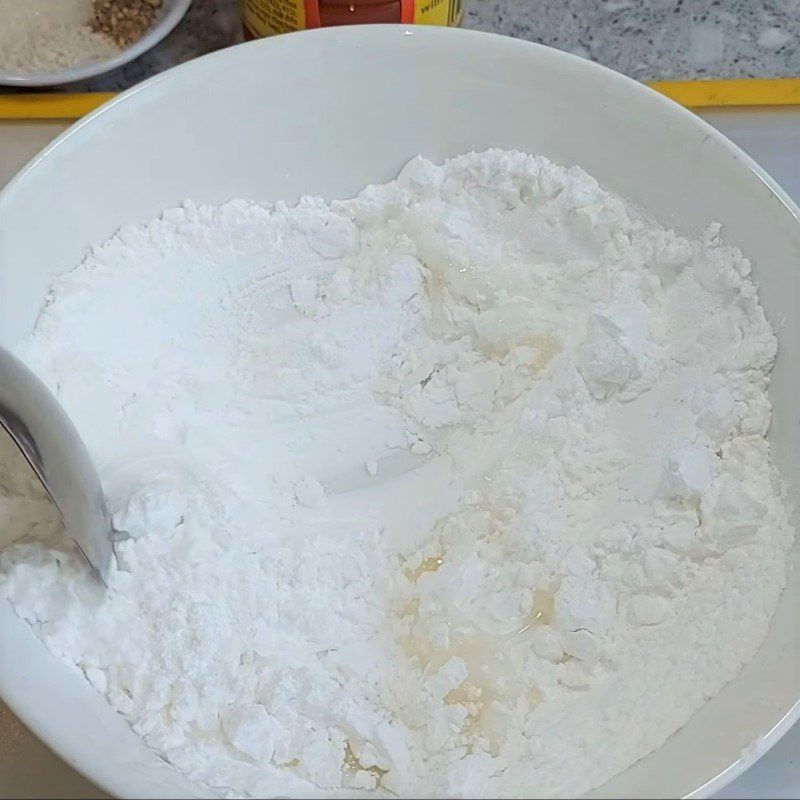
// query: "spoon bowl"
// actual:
[[50, 443]]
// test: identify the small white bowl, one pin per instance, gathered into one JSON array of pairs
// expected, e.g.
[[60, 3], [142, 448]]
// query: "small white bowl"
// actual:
[[170, 15]]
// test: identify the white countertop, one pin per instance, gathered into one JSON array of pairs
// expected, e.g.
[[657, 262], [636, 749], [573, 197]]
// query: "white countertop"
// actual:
[[29, 770]]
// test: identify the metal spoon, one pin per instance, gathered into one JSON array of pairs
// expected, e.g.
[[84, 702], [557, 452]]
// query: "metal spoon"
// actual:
[[49, 441]]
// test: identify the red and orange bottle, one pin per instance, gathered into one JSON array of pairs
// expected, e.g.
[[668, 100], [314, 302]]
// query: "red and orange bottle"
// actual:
[[268, 17]]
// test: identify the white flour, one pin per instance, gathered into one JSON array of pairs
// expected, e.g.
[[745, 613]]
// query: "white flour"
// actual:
[[591, 546], [49, 35]]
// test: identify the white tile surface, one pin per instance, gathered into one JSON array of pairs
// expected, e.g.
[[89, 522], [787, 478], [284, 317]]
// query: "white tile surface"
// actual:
[[29, 770]]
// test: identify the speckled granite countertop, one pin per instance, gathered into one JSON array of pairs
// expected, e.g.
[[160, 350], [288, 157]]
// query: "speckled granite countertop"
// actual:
[[646, 39]]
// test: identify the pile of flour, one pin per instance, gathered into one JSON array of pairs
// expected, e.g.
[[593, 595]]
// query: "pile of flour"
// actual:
[[568, 534]]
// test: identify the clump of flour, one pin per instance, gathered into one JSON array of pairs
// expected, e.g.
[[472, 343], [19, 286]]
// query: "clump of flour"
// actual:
[[590, 544]]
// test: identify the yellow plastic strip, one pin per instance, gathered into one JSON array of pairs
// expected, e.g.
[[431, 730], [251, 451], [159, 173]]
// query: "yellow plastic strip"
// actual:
[[746, 92], [692, 94], [50, 105]]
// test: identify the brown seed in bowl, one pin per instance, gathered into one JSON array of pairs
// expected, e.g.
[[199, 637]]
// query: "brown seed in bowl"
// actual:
[[124, 21]]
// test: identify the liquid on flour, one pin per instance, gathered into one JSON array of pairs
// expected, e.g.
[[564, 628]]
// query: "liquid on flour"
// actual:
[[588, 543]]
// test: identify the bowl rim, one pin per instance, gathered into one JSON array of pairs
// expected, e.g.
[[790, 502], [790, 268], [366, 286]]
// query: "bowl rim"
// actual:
[[164, 26], [198, 65]]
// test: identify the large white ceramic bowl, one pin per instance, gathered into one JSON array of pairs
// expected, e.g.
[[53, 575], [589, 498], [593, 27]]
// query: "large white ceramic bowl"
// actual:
[[170, 14], [328, 112]]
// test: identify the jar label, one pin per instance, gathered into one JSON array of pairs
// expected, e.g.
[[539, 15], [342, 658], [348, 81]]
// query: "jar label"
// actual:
[[268, 17]]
